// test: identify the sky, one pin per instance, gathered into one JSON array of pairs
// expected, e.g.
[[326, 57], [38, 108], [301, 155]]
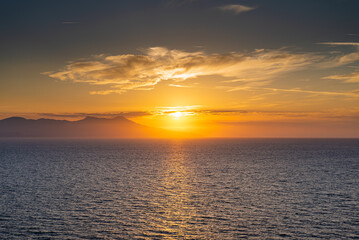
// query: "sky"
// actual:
[[217, 68]]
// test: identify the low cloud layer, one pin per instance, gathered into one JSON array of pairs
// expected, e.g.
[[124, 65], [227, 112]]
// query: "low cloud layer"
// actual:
[[142, 72], [98, 115]]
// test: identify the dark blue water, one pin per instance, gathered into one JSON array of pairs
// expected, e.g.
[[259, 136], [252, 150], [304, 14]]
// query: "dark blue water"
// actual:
[[179, 189]]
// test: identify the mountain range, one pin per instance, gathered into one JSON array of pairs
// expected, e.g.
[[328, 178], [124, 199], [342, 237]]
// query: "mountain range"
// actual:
[[89, 127]]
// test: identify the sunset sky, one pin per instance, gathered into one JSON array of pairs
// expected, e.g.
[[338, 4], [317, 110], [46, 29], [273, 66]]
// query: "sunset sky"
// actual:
[[217, 68]]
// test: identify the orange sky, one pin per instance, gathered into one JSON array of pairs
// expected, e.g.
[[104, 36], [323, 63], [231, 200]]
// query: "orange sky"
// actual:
[[210, 68]]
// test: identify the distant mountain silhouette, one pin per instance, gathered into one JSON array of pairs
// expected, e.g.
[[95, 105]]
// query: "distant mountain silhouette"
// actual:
[[92, 127]]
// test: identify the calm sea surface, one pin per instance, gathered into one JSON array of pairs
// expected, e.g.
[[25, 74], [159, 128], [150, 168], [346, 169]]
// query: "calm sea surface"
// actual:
[[179, 189]]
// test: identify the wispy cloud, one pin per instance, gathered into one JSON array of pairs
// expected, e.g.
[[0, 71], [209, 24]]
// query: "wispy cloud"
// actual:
[[298, 90], [349, 78], [347, 94], [237, 8], [341, 43], [179, 85], [345, 58], [168, 110], [124, 72], [100, 115], [242, 116]]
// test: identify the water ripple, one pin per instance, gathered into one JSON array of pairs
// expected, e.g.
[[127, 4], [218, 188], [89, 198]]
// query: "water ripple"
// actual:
[[189, 189]]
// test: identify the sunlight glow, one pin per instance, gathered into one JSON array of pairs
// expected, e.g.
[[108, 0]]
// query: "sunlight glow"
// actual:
[[176, 114]]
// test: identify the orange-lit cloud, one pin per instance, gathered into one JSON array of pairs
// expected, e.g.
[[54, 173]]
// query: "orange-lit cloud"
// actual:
[[341, 43], [298, 90], [142, 72], [349, 78]]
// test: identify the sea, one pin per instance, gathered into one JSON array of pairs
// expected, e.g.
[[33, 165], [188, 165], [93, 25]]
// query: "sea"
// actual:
[[179, 189]]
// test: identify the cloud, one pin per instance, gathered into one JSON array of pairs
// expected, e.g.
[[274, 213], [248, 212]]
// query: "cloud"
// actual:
[[341, 43], [100, 115], [124, 72], [349, 58], [343, 60], [345, 94], [179, 85], [277, 117], [237, 8], [349, 78], [193, 109], [298, 90], [346, 58]]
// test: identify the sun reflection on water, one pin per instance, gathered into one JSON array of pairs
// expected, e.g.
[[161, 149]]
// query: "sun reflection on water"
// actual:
[[176, 214]]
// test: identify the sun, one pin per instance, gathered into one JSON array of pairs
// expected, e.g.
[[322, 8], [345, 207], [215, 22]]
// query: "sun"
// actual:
[[176, 114]]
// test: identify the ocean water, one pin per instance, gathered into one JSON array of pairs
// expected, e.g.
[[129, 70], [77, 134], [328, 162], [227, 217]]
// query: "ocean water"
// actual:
[[179, 189]]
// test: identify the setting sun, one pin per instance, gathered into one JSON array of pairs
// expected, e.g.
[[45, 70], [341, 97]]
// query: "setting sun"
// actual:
[[176, 114]]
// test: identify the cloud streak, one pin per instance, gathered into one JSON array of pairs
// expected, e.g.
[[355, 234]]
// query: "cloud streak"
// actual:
[[341, 43], [237, 8], [348, 78], [343, 59], [99, 115], [296, 90], [124, 72], [353, 93]]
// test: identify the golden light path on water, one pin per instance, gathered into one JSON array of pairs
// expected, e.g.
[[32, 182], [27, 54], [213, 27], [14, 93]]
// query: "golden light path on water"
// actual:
[[175, 199]]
